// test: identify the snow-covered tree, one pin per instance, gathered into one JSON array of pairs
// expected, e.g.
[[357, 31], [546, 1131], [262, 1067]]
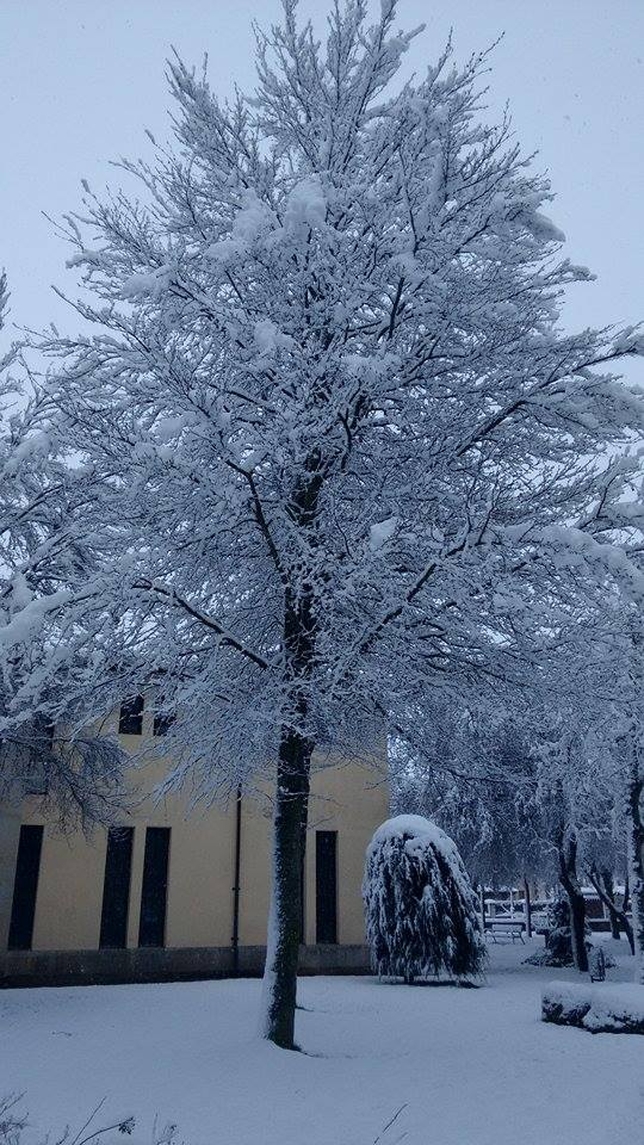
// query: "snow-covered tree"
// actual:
[[4, 299], [346, 452], [635, 797], [421, 911], [476, 780], [630, 743], [76, 772], [539, 792], [586, 790]]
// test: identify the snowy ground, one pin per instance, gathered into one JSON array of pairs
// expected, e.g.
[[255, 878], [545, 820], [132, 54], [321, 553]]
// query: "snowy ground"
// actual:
[[464, 1067]]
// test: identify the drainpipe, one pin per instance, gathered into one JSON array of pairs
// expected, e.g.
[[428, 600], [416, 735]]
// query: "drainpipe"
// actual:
[[236, 887]]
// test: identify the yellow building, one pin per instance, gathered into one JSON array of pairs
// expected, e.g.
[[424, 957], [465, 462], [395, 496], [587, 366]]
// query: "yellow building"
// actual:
[[171, 893]]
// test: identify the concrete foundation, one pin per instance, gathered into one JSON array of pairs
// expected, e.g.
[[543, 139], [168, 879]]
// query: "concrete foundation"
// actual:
[[148, 964]]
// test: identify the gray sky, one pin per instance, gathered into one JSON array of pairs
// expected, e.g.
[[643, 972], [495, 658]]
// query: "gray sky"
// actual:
[[82, 78]]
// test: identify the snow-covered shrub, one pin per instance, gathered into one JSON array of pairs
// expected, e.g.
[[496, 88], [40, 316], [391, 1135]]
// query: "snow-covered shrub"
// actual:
[[604, 1009], [558, 939], [421, 916], [558, 947]]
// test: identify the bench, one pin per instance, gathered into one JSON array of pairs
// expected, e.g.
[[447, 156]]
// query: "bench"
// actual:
[[509, 927]]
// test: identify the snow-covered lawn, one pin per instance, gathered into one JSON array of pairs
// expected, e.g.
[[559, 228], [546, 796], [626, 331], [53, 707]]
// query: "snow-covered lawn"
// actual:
[[464, 1067]]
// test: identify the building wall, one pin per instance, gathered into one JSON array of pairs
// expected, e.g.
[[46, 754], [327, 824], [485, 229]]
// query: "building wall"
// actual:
[[350, 798]]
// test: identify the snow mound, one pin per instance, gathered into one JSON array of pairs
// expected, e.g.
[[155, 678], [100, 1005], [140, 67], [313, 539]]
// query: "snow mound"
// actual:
[[600, 1009]]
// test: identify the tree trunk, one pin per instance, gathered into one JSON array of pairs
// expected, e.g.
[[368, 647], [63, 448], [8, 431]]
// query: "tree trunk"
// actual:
[[619, 914], [293, 775], [527, 908], [607, 880], [570, 883], [289, 821], [482, 906], [578, 931], [636, 853]]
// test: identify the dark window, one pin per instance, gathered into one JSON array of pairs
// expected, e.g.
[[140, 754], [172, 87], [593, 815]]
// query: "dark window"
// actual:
[[116, 887], [326, 886], [37, 776], [23, 907], [45, 731], [154, 891], [131, 717], [162, 722]]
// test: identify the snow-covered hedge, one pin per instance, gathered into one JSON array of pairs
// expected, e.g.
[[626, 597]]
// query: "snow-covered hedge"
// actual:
[[616, 1009]]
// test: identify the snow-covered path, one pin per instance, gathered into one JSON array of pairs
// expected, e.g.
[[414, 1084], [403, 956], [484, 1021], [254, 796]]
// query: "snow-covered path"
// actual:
[[468, 1067]]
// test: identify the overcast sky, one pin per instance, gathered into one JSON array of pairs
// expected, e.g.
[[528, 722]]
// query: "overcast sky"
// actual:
[[81, 79]]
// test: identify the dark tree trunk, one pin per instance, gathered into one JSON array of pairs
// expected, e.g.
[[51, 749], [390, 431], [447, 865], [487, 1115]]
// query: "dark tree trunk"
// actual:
[[613, 909], [280, 976], [527, 909], [293, 775], [570, 883], [607, 881], [482, 906], [635, 807]]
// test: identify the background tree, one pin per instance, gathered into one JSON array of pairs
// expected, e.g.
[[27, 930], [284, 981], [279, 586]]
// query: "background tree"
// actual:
[[539, 793], [605, 857], [346, 452], [635, 797], [75, 772], [477, 781], [631, 756]]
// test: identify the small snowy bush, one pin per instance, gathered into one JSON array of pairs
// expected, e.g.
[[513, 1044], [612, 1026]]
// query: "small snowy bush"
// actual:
[[421, 916], [604, 1009], [558, 940]]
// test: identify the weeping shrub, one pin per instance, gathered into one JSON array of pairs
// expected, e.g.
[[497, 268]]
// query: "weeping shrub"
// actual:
[[421, 916]]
